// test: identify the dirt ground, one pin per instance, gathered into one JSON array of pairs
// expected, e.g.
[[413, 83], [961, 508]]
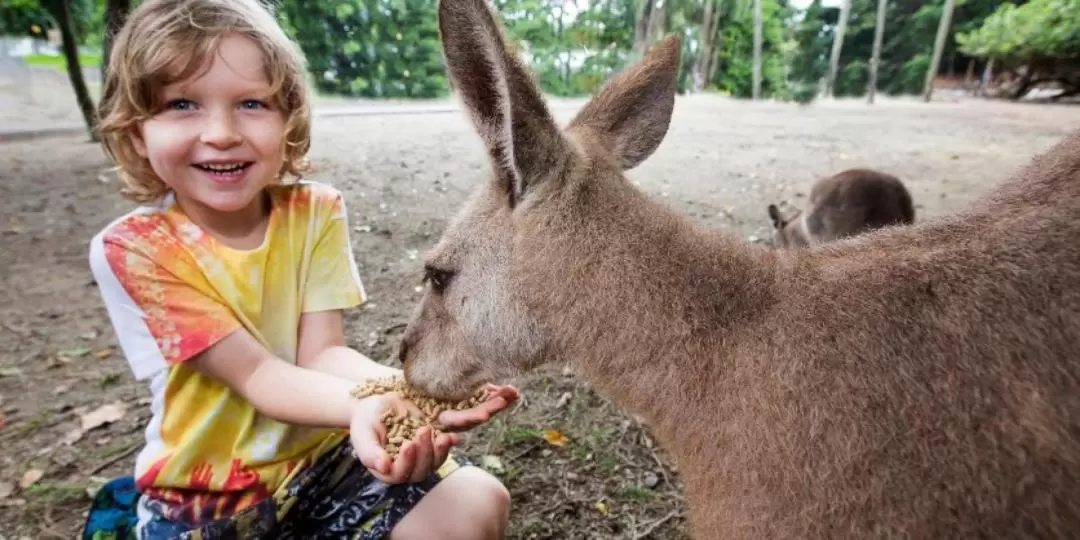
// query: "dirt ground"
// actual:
[[600, 475]]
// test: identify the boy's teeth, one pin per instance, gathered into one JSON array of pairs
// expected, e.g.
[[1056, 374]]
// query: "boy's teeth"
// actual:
[[222, 167]]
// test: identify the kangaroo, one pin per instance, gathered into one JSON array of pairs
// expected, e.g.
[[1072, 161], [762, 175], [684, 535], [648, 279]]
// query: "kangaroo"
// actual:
[[848, 203], [921, 382]]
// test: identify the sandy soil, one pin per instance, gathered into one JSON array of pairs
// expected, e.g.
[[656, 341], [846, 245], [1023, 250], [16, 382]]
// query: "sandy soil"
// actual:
[[404, 175]]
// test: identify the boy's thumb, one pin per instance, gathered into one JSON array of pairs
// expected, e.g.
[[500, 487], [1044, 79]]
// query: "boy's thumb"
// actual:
[[370, 453]]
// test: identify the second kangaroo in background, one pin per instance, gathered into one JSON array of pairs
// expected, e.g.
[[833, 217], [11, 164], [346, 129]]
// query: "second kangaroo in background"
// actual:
[[848, 203]]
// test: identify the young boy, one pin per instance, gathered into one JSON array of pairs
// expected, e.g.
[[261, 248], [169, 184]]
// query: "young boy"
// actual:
[[225, 291]]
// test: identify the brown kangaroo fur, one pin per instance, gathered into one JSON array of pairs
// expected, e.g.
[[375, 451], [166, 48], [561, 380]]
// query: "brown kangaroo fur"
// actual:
[[920, 381], [845, 204]]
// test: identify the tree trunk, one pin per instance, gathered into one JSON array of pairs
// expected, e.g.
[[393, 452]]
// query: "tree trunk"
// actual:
[[756, 90], [716, 44], [641, 28], [837, 45], [702, 61], [875, 57], [969, 75], [987, 76], [939, 48], [657, 23], [116, 12], [61, 11]]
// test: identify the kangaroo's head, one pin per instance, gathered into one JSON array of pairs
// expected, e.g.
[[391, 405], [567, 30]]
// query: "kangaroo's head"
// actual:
[[787, 231], [472, 325]]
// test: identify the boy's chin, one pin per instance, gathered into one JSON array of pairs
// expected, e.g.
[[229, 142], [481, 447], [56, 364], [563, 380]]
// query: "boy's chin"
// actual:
[[230, 198], [230, 201]]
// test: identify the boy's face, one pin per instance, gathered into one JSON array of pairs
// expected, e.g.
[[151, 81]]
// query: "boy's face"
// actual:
[[218, 140]]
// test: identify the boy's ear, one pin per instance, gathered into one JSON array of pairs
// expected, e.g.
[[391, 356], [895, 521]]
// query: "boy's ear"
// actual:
[[138, 143]]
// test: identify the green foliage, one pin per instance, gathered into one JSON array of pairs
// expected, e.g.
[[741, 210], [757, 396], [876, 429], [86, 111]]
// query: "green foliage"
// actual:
[[735, 76], [369, 48], [1037, 29], [20, 18], [813, 40]]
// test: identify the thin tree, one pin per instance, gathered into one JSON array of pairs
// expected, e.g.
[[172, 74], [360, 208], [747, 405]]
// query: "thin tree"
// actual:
[[701, 63], [642, 11], [757, 50], [875, 57], [116, 12], [61, 11], [837, 45], [939, 48]]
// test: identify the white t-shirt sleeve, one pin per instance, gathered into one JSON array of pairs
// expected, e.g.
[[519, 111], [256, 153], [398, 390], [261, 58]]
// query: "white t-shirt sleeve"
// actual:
[[128, 320]]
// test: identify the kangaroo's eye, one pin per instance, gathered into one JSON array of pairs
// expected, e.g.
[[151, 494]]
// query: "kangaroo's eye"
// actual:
[[439, 279]]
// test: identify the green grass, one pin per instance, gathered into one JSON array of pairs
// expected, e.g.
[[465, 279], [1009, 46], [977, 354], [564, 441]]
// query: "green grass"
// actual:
[[58, 63]]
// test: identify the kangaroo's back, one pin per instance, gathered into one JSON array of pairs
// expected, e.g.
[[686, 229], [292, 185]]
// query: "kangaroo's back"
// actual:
[[857, 200], [926, 378], [849, 203]]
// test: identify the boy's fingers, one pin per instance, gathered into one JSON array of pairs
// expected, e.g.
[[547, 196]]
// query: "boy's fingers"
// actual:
[[442, 448], [369, 450], [406, 462], [509, 393], [424, 454], [464, 419]]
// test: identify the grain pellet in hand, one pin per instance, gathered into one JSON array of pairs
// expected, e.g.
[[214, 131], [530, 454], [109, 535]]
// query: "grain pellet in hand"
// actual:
[[402, 428]]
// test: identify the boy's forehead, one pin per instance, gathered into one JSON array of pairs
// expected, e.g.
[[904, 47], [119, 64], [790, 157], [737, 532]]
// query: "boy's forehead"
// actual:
[[234, 55]]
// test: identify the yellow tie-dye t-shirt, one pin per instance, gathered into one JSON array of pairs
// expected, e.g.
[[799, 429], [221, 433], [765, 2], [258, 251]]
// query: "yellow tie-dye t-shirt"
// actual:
[[172, 291]]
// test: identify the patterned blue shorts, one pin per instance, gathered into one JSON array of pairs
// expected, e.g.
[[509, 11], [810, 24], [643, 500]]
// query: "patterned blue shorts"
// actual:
[[336, 497]]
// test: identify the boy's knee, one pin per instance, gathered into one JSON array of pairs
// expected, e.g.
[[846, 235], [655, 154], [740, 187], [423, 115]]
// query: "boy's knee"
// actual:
[[488, 501], [470, 504]]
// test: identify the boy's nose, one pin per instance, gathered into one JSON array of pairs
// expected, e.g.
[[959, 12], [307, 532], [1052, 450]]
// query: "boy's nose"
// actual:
[[221, 133]]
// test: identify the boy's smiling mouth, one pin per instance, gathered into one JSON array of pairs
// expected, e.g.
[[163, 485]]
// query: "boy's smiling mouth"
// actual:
[[225, 172], [224, 168]]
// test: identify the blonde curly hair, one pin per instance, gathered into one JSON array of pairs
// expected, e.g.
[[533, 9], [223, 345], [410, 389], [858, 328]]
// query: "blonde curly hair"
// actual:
[[164, 41]]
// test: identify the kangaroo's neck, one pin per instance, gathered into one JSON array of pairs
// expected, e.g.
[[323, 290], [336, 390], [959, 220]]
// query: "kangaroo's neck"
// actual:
[[648, 305]]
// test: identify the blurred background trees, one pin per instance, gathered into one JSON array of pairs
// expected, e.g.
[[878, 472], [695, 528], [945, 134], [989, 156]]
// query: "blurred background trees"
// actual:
[[390, 48]]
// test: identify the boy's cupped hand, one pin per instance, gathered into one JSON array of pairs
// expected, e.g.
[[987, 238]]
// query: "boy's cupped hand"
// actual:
[[424, 454]]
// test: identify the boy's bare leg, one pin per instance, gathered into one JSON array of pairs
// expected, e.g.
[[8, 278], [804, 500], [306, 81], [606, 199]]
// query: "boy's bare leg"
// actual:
[[470, 504]]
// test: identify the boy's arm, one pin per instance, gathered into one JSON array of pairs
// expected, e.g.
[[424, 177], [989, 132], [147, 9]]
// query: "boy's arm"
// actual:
[[276, 388], [321, 347]]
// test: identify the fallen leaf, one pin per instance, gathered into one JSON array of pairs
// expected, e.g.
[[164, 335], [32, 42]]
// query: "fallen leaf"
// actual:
[[491, 463], [6, 489], [31, 476], [72, 436], [3, 419], [75, 353], [555, 438], [89, 336], [105, 353], [10, 372], [602, 507], [105, 414], [57, 361]]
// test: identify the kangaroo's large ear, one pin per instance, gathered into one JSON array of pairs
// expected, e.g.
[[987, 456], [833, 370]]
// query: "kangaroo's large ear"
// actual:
[[504, 103], [632, 112], [774, 215]]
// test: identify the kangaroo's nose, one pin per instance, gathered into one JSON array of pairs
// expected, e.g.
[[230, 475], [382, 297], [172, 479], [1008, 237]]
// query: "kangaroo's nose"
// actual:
[[403, 351]]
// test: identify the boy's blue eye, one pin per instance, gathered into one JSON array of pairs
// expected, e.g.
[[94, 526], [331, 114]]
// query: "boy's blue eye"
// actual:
[[253, 104], [180, 105]]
